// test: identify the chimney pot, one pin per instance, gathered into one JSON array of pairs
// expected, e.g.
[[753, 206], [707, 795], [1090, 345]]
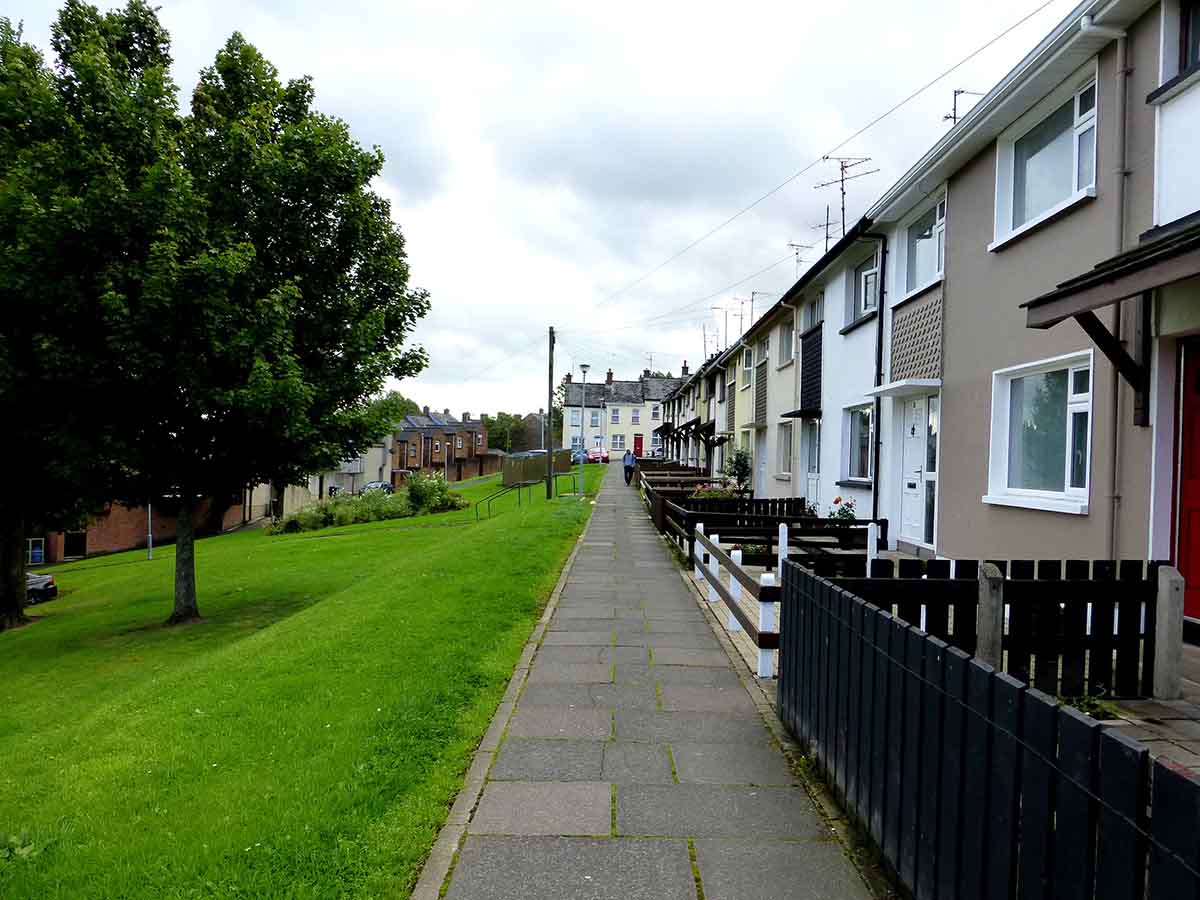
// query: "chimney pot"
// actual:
[[683, 370], [446, 411], [568, 378], [645, 373], [608, 377], [466, 417], [425, 409]]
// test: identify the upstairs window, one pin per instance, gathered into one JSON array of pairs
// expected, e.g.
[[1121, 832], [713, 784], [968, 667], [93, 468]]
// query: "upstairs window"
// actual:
[[720, 390], [866, 288], [635, 416], [1050, 164], [813, 312], [575, 415], [786, 337], [595, 418], [458, 443], [764, 348], [616, 416], [747, 367], [1189, 34], [926, 247], [479, 440], [655, 412]]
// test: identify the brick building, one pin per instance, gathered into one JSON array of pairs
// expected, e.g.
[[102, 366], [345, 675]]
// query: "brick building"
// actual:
[[438, 442]]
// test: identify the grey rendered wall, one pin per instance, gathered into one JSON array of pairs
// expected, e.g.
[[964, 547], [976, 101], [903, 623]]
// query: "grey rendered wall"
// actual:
[[984, 330]]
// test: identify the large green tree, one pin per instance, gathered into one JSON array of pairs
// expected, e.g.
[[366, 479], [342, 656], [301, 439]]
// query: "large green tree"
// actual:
[[264, 298], [87, 180]]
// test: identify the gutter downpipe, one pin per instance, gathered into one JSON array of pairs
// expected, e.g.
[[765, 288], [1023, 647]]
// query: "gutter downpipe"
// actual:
[[1122, 80], [878, 406]]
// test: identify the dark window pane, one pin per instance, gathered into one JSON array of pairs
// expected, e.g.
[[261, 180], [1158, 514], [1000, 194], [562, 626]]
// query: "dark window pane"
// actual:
[[931, 435], [930, 505], [1042, 165], [1079, 443], [1037, 431]]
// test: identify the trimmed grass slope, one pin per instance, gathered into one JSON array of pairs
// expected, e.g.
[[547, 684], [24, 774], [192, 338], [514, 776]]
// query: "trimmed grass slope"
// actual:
[[303, 741]]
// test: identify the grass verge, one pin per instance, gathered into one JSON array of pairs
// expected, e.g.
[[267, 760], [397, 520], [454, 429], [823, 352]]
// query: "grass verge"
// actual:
[[304, 740]]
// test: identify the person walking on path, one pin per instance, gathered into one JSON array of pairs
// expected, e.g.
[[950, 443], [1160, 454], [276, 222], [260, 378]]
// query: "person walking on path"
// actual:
[[630, 460]]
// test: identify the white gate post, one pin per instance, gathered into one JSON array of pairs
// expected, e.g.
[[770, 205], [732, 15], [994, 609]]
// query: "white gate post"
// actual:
[[714, 570], [766, 622], [697, 551], [735, 591], [783, 552], [872, 545]]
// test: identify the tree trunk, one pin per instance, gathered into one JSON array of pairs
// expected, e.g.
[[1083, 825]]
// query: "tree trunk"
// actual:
[[186, 609], [12, 574]]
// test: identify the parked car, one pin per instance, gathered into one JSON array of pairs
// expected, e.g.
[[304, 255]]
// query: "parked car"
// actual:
[[376, 486], [39, 588], [578, 456], [597, 455]]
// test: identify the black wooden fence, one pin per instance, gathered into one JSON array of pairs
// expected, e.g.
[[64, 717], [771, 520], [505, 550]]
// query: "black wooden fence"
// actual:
[[970, 783], [1074, 627]]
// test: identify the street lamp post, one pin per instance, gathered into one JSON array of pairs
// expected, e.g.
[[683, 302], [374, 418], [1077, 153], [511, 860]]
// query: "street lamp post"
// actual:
[[582, 433]]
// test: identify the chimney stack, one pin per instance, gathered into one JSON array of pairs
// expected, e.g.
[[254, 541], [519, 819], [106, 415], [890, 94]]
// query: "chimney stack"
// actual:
[[683, 369], [568, 378], [608, 378], [466, 417], [425, 409], [645, 373], [446, 411]]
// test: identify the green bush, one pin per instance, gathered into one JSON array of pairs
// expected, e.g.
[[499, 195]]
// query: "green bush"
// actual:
[[345, 510], [431, 493]]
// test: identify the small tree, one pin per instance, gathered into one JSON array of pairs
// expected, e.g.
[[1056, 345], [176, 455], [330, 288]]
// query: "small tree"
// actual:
[[738, 467]]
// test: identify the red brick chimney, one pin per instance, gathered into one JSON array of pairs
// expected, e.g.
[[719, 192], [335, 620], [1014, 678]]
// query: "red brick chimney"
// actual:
[[608, 378]]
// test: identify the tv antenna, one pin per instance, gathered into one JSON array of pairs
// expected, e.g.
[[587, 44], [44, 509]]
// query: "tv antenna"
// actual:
[[845, 164], [796, 248], [827, 225], [952, 116]]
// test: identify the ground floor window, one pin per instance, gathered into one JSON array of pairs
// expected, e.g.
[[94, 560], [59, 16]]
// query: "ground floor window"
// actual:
[[858, 463], [655, 441], [1041, 433], [785, 448], [576, 442], [812, 446], [618, 441]]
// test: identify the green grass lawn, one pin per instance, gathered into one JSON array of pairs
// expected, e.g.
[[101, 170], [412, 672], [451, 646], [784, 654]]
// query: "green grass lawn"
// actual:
[[304, 740]]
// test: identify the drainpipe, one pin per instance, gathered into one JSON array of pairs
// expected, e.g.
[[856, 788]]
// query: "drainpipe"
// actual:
[[879, 310], [1122, 80]]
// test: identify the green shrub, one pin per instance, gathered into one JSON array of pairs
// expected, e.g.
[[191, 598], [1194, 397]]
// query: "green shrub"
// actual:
[[431, 493], [373, 506]]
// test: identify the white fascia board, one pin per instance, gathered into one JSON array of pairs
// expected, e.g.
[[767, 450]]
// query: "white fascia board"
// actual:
[[905, 387]]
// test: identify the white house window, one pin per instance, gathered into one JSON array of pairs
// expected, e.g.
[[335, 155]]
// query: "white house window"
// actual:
[[812, 443], [764, 348], [618, 441], [595, 418], [1056, 157], [858, 464], [785, 448], [616, 416], [1189, 34], [813, 312], [575, 415], [655, 440], [786, 336], [747, 367], [437, 446], [635, 416], [655, 412], [576, 442], [479, 440], [1041, 435], [926, 247], [458, 442], [866, 288]]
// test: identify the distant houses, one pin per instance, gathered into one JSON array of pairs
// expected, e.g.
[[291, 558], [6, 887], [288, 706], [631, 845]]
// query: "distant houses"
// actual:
[[618, 415]]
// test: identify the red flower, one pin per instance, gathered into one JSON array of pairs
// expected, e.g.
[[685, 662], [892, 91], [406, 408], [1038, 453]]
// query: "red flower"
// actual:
[[837, 500]]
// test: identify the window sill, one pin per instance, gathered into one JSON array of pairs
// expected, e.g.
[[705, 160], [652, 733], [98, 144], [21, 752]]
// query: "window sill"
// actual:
[[918, 291], [1046, 504], [785, 365], [783, 476], [859, 322], [864, 483], [744, 387], [1084, 196], [1173, 87]]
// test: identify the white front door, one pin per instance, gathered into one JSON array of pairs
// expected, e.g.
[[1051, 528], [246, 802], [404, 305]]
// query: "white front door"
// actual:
[[811, 448], [760, 463], [912, 471]]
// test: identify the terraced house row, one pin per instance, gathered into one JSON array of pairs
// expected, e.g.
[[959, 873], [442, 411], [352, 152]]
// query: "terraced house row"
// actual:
[[1002, 356]]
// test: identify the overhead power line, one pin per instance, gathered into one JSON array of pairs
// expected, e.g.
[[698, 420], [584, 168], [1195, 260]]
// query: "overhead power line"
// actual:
[[871, 124]]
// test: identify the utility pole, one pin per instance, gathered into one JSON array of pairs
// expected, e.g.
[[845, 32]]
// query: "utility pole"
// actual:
[[548, 424], [583, 367], [952, 116], [845, 163]]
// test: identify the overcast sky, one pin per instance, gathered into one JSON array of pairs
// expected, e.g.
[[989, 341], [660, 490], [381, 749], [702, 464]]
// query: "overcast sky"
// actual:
[[541, 157]]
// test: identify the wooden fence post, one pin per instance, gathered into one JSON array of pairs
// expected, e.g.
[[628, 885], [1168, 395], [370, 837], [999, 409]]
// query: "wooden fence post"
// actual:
[[714, 571], [989, 617], [766, 622], [699, 529], [735, 591], [784, 549], [872, 545], [1168, 638]]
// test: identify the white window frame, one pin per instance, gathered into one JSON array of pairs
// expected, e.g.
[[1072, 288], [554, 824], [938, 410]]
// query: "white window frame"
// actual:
[[861, 296], [784, 448], [813, 313], [787, 342], [848, 432], [576, 416], [747, 367], [635, 416], [478, 439], [576, 442], [458, 442], [616, 441], [1070, 90], [616, 416], [437, 446], [655, 412], [595, 418], [939, 238], [655, 441], [1073, 501]]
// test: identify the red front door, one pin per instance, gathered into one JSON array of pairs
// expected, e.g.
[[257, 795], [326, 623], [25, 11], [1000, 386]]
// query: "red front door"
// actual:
[[1189, 480], [637, 445]]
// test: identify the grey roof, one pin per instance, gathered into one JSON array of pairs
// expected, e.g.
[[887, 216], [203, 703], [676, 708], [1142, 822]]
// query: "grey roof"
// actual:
[[661, 388], [437, 422], [622, 392]]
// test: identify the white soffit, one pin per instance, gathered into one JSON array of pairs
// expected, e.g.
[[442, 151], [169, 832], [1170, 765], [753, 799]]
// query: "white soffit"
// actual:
[[906, 387]]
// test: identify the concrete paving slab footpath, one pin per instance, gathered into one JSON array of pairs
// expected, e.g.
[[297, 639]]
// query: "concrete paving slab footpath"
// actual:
[[628, 758]]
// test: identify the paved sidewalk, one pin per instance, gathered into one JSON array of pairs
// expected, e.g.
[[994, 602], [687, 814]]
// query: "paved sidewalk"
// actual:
[[633, 763]]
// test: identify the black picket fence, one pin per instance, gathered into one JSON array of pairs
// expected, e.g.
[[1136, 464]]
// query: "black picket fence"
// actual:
[[1073, 627], [969, 783]]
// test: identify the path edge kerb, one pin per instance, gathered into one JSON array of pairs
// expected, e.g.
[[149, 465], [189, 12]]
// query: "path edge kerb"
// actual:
[[440, 861]]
